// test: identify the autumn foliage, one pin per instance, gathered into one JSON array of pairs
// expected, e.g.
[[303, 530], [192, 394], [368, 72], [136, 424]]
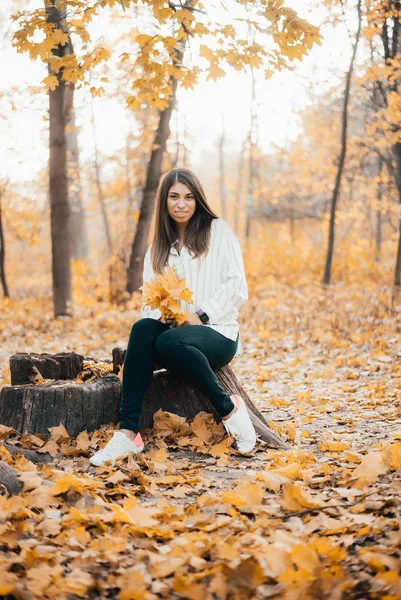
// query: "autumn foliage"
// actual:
[[190, 517], [165, 293]]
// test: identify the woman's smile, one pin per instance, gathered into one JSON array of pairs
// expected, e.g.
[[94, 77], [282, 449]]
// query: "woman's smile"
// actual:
[[181, 204]]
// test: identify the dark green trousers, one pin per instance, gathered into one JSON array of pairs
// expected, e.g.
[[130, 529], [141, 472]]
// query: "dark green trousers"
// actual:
[[190, 351]]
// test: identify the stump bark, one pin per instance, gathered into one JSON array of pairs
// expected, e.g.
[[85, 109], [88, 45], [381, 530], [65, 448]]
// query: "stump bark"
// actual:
[[64, 365], [33, 408], [78, 406]]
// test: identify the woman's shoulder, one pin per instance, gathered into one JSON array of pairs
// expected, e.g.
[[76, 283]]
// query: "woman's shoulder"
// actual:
[[222, 229], [220, 224]]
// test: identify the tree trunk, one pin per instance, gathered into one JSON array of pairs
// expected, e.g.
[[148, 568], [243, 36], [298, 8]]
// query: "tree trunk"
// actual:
[[176, 159], [185, 146], [78, 230], [337, 185], [59, 207], [100, 194], [223, 195], [239, 186], [135, 268], [134, 200], [390, 36], [292, 219], [380, 191], [3, 253], [130, 194], [397, 156], [251, 172]]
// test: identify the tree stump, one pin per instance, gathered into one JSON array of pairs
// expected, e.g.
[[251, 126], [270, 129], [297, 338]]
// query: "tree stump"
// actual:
[[119, 356], [89, 405], [64, 365], [78, 406]]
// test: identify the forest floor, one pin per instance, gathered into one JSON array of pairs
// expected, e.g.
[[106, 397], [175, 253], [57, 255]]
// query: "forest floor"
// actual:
[[320, 519]]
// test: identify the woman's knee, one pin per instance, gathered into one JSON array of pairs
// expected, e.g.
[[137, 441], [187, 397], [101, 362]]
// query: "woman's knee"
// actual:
[[167, 341], [145, 324]]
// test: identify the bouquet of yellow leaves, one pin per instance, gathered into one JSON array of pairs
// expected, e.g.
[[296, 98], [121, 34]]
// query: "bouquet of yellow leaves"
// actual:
[[164, 293]]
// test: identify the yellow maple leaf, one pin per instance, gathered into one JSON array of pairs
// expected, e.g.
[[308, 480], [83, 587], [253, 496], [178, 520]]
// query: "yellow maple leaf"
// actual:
[[273, 481], [165, 293], [215, 72], [166, 423], [71, 482], [59, 434], [333, 446], [291, 471], [277, 560], [221, 448], [305, 557], [51, 82], [66, 483], [245, 494], [296, 498], [369, 469], [200, 427], [77, 582], [7, 583]]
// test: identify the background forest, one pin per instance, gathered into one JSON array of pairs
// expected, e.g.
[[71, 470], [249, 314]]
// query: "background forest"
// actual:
[[289, 113]]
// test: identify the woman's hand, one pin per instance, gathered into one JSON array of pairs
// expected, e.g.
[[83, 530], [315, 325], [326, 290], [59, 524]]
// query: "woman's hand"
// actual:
[[193, 319], [169, 321]]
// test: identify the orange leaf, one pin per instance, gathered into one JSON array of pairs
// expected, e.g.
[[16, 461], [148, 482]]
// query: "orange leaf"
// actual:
[[296, 498], [59, 434], [166, 423], [369, 469]]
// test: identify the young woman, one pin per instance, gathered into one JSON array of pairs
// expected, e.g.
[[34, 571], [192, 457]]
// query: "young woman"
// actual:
[[204, 250]]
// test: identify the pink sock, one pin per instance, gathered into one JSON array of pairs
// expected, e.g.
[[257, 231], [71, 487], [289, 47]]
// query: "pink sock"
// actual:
[[236, 399], [138, 440]]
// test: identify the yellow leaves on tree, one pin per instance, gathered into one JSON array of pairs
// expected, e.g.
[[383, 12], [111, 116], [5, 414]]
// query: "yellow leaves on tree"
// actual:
[[154, 54], [51, 82], [165, 293]]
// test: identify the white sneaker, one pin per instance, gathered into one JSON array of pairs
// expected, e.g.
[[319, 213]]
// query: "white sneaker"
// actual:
[[119, 445], [241, 427]]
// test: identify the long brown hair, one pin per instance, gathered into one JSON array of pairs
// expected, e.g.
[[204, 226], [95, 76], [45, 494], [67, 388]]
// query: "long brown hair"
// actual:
[[198, 230]]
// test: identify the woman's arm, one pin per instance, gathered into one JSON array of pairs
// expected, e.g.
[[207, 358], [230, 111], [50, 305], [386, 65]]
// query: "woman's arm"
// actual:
[[148, 275], [233, 291]]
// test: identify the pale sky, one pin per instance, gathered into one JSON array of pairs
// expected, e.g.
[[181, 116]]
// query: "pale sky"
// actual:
[[23, 132]]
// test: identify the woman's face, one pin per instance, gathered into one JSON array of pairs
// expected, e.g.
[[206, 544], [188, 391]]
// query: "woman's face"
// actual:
[[181, 203]]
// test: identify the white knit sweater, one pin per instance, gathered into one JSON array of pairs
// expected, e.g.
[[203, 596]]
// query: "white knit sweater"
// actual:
[[218, 281]]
